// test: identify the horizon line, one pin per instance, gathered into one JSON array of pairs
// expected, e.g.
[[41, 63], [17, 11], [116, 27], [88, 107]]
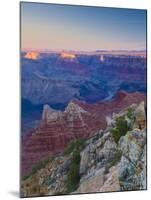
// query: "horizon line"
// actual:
[[97, 50]]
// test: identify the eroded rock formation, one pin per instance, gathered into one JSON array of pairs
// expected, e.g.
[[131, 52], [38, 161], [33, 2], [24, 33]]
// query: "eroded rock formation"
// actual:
[[79, 120], [105, 163]]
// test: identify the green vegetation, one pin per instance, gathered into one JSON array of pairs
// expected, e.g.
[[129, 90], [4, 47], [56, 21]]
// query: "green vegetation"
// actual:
[[129, 113], [38, 166], [73, 176], [120, 129], [25, 177], [73, 145], [116, 158], [114, 161]]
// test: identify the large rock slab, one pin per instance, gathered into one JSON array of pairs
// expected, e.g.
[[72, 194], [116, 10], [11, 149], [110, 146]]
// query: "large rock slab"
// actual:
[[92, 183], [132, 168], [112, 182]]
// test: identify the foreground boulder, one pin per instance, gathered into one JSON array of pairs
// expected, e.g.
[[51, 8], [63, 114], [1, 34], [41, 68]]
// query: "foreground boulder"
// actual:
[[132, 168]]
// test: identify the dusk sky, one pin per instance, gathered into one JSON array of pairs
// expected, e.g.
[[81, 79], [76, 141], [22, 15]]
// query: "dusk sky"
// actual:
[[57, 27]]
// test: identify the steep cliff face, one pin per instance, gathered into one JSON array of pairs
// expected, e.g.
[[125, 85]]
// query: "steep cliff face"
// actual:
[[111, 165], [58, 128], [104, 162], [117, 167], [55, 131]]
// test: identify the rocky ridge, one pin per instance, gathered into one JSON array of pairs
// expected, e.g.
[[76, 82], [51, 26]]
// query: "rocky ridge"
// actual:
[[106, 164]]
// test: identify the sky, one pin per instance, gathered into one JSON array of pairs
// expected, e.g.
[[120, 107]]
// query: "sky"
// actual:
[[66, 27]]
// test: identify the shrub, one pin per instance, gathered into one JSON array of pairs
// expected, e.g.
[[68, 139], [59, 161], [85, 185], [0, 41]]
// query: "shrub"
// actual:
[[69, 148], [115, 134], [76, 157], [120, 129], [75, 144], [129, 113], [73, 176], [25, 177]]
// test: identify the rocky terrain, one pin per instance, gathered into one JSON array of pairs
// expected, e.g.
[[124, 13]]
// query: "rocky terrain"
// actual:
[[114, 165], [56, 78], [79, 120], [113, 159], [49, 78]]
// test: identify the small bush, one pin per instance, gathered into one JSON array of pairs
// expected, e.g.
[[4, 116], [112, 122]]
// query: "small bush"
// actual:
[[25, 177], [76, 157], [129, 113], [73, 145], [120, 129], [69, 148], [115, 134], [73, 176]]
